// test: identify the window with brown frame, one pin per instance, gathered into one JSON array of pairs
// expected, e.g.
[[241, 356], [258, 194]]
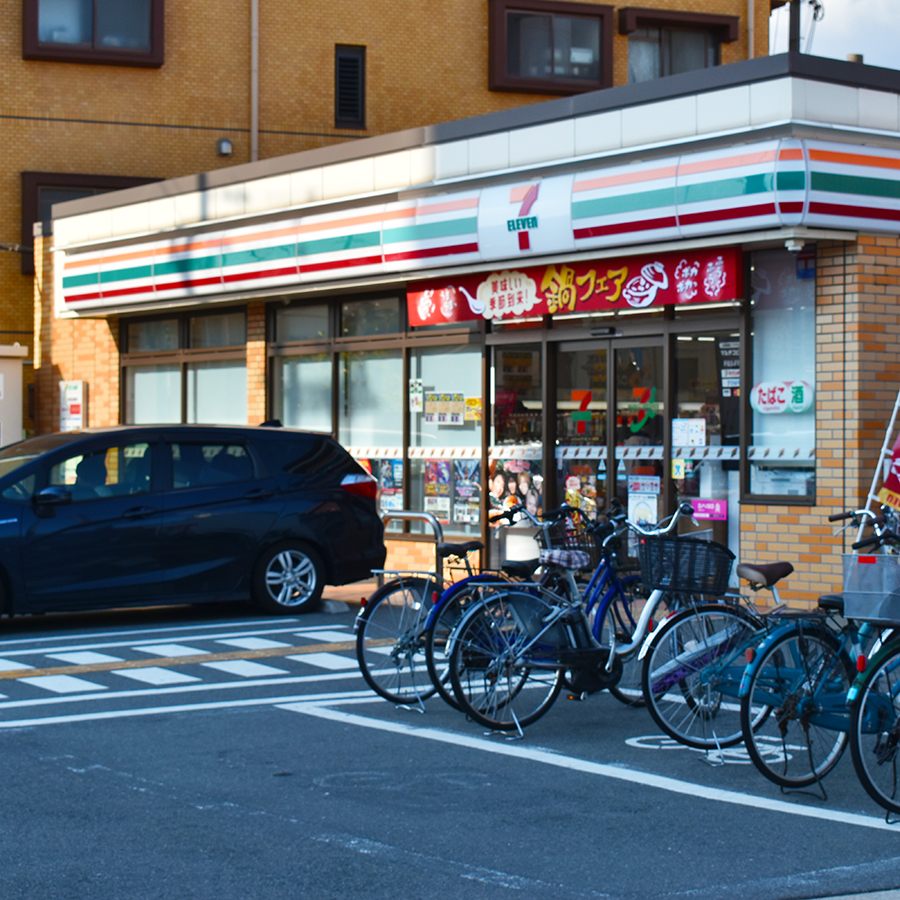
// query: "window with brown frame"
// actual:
[[667, 42], [40, 190], [111, 32], [546, 47]]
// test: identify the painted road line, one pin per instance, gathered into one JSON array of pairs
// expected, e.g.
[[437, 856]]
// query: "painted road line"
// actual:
[[156, 675], [16, 669], [62, 684], [245, 668], [11, 666], [85, 658], [255, 643], [559, 760], [326, 661]]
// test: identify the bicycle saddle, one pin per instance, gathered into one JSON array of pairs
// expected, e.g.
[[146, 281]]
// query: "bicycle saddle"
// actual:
[[763, 575]]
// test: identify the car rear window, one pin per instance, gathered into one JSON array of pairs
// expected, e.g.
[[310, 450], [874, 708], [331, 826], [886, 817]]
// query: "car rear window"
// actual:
[[317, 456]]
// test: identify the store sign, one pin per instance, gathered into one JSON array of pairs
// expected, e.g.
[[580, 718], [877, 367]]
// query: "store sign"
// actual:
[[713, 510], [775, 397], [559, 289]]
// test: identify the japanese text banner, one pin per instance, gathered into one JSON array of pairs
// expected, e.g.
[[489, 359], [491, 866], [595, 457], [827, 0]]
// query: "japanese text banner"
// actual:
[[634, 282]]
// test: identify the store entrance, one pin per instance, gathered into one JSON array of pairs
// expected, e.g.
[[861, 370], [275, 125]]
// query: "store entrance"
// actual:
[[610, 425]]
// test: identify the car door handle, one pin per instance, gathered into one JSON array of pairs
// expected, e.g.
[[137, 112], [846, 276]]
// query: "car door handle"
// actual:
[[139, 512], [259, 494]]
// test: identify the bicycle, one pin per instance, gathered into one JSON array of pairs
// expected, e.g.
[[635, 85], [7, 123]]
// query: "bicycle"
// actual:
[[794, 689], [512, 653], [872, 591], [390, 626]]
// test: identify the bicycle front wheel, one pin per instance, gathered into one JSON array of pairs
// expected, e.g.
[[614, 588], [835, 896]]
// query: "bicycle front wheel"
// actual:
[[692, 673], [389, 640], [875, 732], [504, 675], [801, 685]]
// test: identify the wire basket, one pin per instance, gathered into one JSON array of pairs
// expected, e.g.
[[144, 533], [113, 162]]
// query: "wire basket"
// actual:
[[684, 564], [570, 534], [872, 587]]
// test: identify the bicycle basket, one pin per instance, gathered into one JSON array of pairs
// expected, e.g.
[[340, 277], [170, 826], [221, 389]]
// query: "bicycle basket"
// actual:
[[570, 534], [872, 587], [684, 564]]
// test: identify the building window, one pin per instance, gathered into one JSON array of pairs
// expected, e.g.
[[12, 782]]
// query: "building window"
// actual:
[[349, 86], [190, 368], [40, 190], [114, 32], [663, 42], [547, 47]]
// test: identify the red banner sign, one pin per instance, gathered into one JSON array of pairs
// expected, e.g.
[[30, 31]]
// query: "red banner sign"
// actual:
[[634, 282], [890, 490]]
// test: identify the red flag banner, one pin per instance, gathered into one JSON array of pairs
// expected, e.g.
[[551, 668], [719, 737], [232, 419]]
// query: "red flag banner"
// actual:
[[632, 282], [890, 490]]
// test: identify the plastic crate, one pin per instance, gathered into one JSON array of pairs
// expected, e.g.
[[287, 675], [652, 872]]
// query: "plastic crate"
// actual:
[[872, 587], [684, 564]]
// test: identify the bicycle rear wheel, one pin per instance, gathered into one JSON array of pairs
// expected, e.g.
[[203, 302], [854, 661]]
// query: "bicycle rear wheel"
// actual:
[[453, 605], [875, 732], [501, 677], [620, 620], [389, 640], [692, 672], [801, 683]]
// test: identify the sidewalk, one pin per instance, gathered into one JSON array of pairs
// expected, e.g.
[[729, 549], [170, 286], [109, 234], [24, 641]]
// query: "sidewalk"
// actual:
[[351, 594]]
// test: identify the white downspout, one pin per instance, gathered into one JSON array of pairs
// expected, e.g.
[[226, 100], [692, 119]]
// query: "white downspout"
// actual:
[[751, 28], [254, 80]]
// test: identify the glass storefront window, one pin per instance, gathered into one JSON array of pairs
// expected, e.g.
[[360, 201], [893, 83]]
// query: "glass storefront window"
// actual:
[[302, 323], [640, 422], [161, 334], [581, 427], [445, 403], [152, 394], [302, 391], [706, 431], [516, 467], [217, 392], [782, 442], [226, 330], [370, 418], [364, 318]]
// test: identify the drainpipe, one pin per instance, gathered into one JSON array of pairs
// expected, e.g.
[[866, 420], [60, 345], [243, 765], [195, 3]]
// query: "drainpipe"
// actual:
[[794, 27], [751, 28], [254, 80]]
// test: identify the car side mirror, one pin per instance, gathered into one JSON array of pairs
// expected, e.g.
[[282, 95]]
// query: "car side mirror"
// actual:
[[55, 495]]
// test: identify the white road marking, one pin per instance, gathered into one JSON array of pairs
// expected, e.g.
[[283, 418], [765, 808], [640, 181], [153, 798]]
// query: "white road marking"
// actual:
[[335, 637], [170, 650], [253, 643], [62, 684], [156, 675], [332, 661], [84, 658], [8, 665], [245, 668], [559, 760]]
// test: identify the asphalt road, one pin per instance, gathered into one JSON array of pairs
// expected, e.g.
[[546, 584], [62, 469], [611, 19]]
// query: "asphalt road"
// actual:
[[198, 753]]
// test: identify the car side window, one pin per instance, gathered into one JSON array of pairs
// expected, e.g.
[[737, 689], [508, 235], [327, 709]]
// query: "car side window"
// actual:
[[110, 472], [21, 490], [201, 464]]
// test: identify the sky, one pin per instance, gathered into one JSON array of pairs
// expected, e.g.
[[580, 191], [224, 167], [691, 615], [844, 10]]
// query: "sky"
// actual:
[[869, 27]]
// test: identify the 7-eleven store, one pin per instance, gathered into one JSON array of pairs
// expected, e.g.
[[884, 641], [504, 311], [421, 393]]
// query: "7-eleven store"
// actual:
[[677, 290]]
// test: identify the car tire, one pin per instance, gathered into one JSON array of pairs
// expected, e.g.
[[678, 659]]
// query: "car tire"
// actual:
[[289, 578]]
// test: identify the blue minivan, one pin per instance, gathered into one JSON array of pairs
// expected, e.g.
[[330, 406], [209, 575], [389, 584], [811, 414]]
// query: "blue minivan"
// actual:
[[170, 514]]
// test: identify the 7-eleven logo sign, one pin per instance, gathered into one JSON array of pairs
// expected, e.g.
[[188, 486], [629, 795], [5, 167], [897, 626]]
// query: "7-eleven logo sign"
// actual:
[[525, 196]]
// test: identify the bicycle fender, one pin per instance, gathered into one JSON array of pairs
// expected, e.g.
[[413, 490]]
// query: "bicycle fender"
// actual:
[[887, 649], [648, 640], [761, 650]]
